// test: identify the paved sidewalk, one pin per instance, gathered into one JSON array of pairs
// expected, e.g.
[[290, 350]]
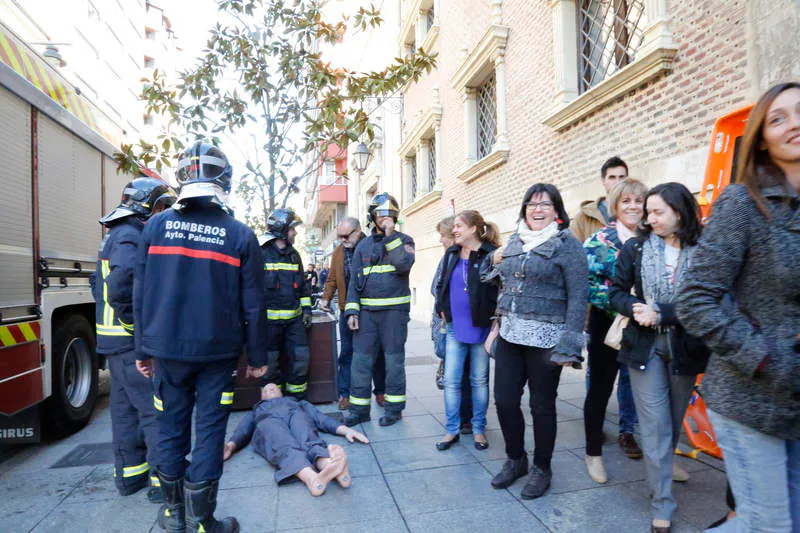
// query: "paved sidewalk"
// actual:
[[400, 482]]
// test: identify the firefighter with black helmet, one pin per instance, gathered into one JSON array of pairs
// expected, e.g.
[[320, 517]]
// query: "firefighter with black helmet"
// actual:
[[288, 304], [377, 308], [133, 418], [198, 301]]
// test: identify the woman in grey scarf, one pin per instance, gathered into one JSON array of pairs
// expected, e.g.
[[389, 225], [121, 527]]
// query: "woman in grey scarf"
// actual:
[[663, 359]]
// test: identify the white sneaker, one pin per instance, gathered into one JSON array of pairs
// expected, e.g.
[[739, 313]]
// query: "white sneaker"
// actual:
[[679, 474], [597, 471]]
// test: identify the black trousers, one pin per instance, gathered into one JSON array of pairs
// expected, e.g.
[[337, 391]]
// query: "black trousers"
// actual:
[[514, 366], [603, 362]]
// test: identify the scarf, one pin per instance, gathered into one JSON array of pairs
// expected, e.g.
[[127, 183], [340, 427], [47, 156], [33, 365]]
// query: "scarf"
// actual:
[[623, 232], [658, 284], [531, 239]]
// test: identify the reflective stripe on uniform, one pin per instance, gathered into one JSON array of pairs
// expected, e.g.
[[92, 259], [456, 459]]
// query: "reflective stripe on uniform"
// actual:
[[133, 471], [154, 481], [393, 244], [378, 302], [283, 314], [296, 388], [352, 306], [379, 269], [395, 398], [108, 327], [227, 398], [282, 266], [158, 404], [359, 401], [305, 301]]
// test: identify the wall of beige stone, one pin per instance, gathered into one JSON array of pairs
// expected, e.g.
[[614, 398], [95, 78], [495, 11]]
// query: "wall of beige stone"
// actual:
[[728, 51]]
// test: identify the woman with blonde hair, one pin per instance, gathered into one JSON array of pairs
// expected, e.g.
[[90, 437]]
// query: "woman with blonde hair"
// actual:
[[466, 305]]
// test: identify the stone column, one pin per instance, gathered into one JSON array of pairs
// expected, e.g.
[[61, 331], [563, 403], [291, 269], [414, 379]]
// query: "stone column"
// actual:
[[470, 126], [501, 141]]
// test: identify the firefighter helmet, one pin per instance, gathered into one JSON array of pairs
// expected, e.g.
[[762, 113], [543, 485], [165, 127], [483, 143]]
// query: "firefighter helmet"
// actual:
[[281, 221], [203, 163], [383, 205], [140, 198]]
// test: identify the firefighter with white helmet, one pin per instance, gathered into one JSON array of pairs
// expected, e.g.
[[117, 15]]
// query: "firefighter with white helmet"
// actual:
[[377, 309], [133, 417], [288, 305], [198, 302]]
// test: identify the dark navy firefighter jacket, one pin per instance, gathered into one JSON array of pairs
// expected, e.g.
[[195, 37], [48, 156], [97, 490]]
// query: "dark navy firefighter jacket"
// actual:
[[379, 279], [113, 287], [199, 288], [287, 294]]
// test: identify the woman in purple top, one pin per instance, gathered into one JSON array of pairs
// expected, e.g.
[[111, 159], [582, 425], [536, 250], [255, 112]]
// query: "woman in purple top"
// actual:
[[467, 305]]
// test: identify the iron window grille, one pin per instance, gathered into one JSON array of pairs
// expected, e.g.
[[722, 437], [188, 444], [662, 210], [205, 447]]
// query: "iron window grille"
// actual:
[[487, 117], [431, 164], [412, 163], [610, 32]]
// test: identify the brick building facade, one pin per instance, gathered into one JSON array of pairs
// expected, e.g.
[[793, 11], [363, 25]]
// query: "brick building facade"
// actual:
[[557, 117]]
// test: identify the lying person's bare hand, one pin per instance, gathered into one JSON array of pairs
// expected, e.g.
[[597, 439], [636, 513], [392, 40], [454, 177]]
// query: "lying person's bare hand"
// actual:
[[352, 435], [230, 448]]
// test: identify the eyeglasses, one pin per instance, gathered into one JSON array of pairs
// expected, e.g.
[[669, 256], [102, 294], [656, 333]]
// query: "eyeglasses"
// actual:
[[345, 237], [544, 206]]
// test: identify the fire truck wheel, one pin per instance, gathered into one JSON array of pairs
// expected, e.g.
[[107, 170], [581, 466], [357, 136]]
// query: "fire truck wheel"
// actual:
[[74, 368]]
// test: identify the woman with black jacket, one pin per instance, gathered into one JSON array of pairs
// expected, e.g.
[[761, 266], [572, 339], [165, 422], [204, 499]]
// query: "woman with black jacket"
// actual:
[[663, 359], [466, 305]]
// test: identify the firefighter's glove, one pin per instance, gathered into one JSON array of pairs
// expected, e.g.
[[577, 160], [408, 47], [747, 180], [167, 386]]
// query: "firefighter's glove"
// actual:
[[307, 320]]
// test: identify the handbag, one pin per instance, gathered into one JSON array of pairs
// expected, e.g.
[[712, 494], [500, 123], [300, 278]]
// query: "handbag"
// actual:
[[490, 343], [614, 334]]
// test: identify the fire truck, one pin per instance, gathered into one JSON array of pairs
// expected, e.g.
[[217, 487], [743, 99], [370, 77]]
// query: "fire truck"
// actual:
[[58, 179]]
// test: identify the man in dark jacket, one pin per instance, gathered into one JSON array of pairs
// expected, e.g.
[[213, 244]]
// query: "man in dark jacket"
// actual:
[[378, 303], [349, 233], [288, 302], [198, 300], [133, 417], [285, 432]]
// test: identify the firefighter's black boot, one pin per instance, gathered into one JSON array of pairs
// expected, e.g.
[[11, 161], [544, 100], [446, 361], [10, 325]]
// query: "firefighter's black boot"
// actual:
[[171, 515], [201, 500]]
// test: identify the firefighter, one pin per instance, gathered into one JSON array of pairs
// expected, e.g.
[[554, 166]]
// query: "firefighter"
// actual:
[[378, 303], [198, 300], [288, 304], [133, 418]]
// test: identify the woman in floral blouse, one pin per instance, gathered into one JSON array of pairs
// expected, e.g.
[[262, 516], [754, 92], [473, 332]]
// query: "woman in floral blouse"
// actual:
[[626, 205]]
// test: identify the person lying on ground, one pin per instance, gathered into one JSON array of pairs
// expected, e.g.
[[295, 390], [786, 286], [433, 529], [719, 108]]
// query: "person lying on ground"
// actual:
[[285, 432]]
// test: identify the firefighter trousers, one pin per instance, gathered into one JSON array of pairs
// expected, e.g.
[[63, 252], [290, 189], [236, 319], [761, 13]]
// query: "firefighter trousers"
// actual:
[[379, 330], [288, 356], [206, 389], [134, 424]]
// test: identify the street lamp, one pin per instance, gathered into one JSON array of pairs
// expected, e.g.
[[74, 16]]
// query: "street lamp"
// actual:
[[361, 157]]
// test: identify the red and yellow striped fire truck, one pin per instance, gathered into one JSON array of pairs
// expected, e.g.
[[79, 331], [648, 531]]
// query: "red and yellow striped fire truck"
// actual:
[[58, 179]]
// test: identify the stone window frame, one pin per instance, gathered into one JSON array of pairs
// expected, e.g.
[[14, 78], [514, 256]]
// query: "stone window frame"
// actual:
[[415, 146], [415, 31], [653, 58], [487, 57]]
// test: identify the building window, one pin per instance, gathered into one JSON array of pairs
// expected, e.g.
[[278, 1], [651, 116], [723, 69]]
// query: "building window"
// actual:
[[329, 172], [487, 117], [413, 188], [149, 62], [603, 50], [431, 164], [430, 18], [609, 32]]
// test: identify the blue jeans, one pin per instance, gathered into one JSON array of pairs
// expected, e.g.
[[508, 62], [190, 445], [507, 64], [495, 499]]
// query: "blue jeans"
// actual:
[[456, 354], [764, 473], [627, 409], [346, 361]]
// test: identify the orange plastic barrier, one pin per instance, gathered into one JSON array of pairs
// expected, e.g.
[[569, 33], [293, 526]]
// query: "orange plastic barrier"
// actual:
[[698, 427]]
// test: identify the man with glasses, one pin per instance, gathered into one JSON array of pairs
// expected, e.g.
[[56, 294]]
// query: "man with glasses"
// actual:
[[349, 233]]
